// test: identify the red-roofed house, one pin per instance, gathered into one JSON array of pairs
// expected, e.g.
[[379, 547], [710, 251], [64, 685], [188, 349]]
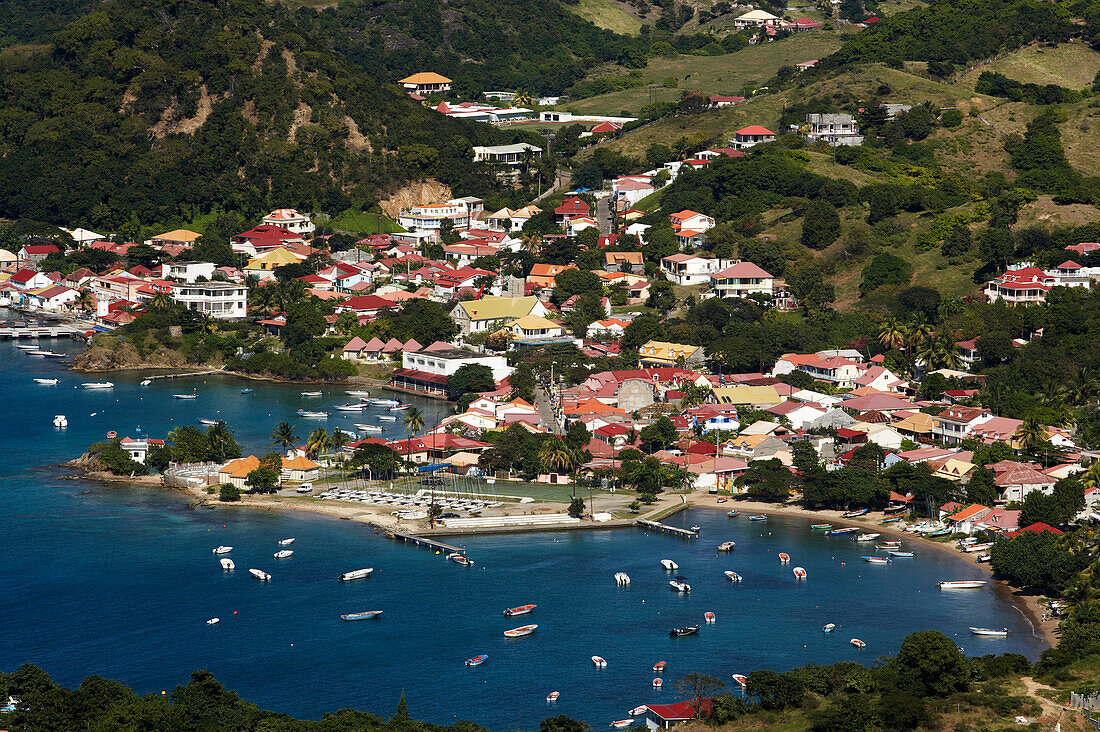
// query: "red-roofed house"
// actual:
[[752, 135], [570, 208], [956, 423], [1025, 285], [28, 279], [719, 102], [742, 279], [965, 519], [1036, 528], [1015, 480], [33, 254], [665, 716], [365, 306]]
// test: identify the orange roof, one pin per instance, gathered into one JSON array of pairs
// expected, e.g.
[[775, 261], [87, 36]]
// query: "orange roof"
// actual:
[[754, 130], [969, 512], [299, 463], [425, 77], [241, 467], [593, 406]]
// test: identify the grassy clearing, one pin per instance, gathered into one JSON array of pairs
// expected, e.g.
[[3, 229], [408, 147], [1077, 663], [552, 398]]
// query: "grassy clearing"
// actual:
[[1079, 137], [1045, 212], [971, 150], [361, 222], [1072, 65], [718, 75], [608, 15]]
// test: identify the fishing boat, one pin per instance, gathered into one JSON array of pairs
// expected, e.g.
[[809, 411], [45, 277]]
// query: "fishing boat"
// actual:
[[60, 421], [283, 553], [841, 532], [358, 407], [858, 643], [658, 683], [733, 576], [726, 546], [46, 382], [371, 428], [670, 565], [659, 667], [784, 557], [893, 519], [476, 660], [684, 630], [386, 402], [599, 662], [732, 513], [98, 385], [678, 586], [971, 548], [829, 627], [387, 418], [246, 391], [1003, 632], [227, 564], [312, 415], [741, 679], [877, 560], [520, 631], [820, 527], [356, 574], [708, 616], [620, 724], [460, 559], [223, 549], [213, 621], [400, 407], [311, 393], [899, 553], [553, 696], [857, 512], [521, 610], [799, 573], [867, 537], [961, 584], [207, 421], [259, 574], [361, 616], [758, 517], [185, 396], [286, 542]]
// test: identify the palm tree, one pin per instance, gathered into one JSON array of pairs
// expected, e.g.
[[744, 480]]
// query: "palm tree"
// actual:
[[85, 301], [283, 435], [893, 334], [1091, 477], [413, 422], [337, 440], [556, 456], [1030, 433], [161, 301], [318, 441], [220, 440], [531, 241]]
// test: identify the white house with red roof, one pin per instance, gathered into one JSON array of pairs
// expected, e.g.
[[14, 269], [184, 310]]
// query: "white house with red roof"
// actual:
[[29, 279], [365, 306], [33, 254], [666, 716], [956, 423], [742, 279], [571, 207], [1015, 480], [1027, 284], [837, 367], [289, 218], [746, 137], [719, 102]]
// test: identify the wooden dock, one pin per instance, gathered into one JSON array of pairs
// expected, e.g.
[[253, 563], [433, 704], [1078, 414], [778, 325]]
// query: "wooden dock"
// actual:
[[181, 376], [666, 529], [428, 543], [41, 332]]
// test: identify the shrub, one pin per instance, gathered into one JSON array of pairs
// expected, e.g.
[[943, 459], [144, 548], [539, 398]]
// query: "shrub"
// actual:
[[229, 492]]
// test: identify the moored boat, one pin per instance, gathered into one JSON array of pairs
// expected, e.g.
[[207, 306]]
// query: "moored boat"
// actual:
[[684, 630], [477, 660], [46, 382], [213, 621], [799, 573], [659, 667], [312, 415], [311, 393], [60, 421], [223, 549], [708, 616], [520, 631], [185, 396], [841, 532], [732, 512], [400, 407], [857, 512], [356, 574], [460, 559], [521, 610], [899, 553], [207, 421], [372, 429], [361, 616], [286, 542], [98, 385], [726, 546], [867, 537], [784, 557], [732, 576], [357, 393], [961, 584], [358, 407], [658, 683], [820, 527], [385, 402], [639, 710], [620, 724], [259, 574], [387, 418], [669, 565], [599, 662], [553, 696], [283, 553], [829, 627], [758, 517], [622, 579], [741, 679], [990, 631], [858, 643], [877, 560], [227, 564], [678, 586], [246, 391]]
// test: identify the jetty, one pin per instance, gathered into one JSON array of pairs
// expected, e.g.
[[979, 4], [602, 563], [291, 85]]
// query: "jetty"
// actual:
[[666, 529], [428, 543], [208, 372], [36, 332]]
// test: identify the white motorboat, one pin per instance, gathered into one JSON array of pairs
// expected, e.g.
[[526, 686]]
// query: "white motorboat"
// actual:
[[372, 429], [311, 393], [357, 407], [622, 579], [622, 723], [829, 627], [858, 643], [1003, 632], [971, 548], [553, 696], [961, 585], [733, 576], [400, 408], [98, 385], [639, 710], [47, 382], [146, 382], [867, 537], [520, 631], [312, 415], [213, 621], [356, 574], [727, 546], [60, 421], [259, 574], [741, 679], [670, 565], [658, 683], [599, 662], [899, 553], [357, 393], [227, 564], [678, 586], [185, 396], [799, 573], [207, 421], [283, 553], [26, 347], [386, 402], [223, 549], [387, 417], [286, 542]]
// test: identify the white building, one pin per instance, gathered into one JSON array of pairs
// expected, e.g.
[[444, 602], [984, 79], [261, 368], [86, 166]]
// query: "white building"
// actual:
[[430, 217], [690, 269], [225, 300], [506, 154], [752, 135], [187, 271], [446, 361], [756, 19], [741, 279], [291, 220], [835, 129]]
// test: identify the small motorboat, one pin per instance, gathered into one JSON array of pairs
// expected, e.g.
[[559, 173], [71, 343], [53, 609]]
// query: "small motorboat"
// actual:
[[620, 724], [361, 616], [961, 584], [695, 529], [678, 586], [227, 564], [521, 610], [858, 643], [359, 407], [311, 393], [47, 382], [670, 565], [820, 527], [1003, 632], [111, 434], [799, 573], [971, 548], [895, 543], [387, 418], [741, 679], [357, 393], [857, 512], [732, 576], [213, 621], [758, 517], [982, 558], [26, 347], [246, 391], [385, 402], [283, 553], [460, 559], [286, 542], [659, 667], [223, 549], [622, 579], [829, 628], [658, 682], [784, 558], [599, 662], [207, 421], [312, 415], [520, 631], [708, 616], [727, 546], [98, 385], [552, 696], [900, 553], [146, 382], [867, 537], [356, 574], [372, 429], [400, 407], [60, 421], [733, 513], [684, 630], [841, 532], [639, 710], [877, 560], [476, 660], [259, 574], [185, 396]]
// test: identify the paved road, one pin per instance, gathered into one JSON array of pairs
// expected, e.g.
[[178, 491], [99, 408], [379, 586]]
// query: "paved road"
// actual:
[[603, 215], [546, 412]]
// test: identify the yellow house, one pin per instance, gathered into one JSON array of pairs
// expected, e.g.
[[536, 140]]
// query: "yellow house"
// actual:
[[265, 265], [179, 237], [954, 469], [235, 471], [758, 397], [300, 469], [661, 353], [535, 326]]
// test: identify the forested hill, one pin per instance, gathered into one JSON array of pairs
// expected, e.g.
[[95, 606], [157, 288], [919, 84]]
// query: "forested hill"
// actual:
[[150, 110]]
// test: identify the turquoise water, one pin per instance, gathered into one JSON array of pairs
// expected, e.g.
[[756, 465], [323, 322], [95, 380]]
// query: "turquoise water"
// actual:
[[120, 582]]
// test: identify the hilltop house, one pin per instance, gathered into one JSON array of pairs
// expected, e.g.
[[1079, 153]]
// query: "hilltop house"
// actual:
[[425, 83], [756, 19], [835, 129], [752, 135], [512, 155], [741, 279], [690, 269]]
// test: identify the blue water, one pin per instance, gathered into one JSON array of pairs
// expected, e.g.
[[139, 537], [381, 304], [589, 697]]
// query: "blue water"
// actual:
[[120, 581]]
